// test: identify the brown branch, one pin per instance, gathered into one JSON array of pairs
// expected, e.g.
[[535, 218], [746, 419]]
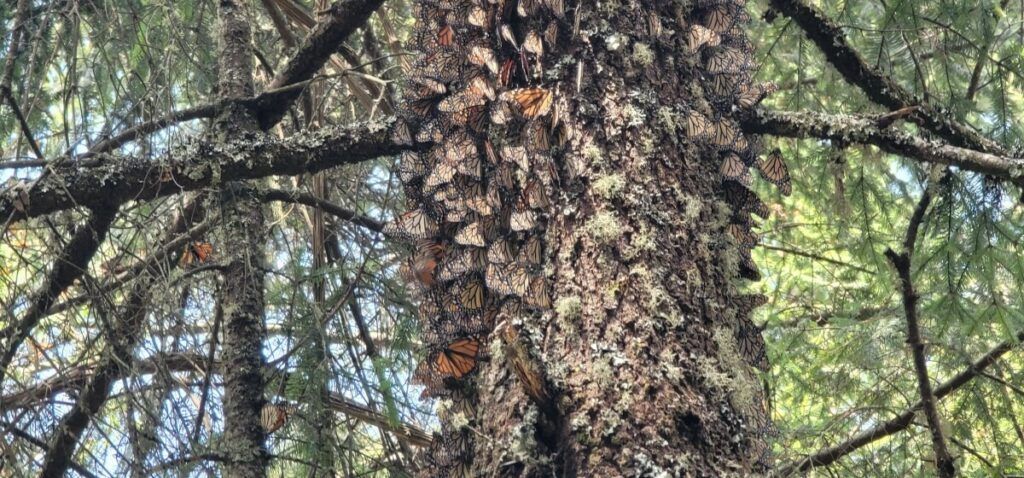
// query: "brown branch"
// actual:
[[879, 88], [67, 268], [131, 134], [75, 379], [195, 166], [339, 21], [124, 336], [902, 263], [10, 428], [864, 130], [902, 421], [327, 206]]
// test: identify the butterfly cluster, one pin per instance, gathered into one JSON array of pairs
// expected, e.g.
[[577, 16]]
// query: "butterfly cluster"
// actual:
[[723, 58], [478, 179]]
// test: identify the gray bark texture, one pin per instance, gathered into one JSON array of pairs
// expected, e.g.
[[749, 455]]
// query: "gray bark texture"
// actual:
[[587, 197], [242, 246]]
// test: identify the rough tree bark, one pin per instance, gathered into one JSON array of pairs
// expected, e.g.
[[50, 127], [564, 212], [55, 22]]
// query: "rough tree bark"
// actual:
[[597, 198], [242, 251]]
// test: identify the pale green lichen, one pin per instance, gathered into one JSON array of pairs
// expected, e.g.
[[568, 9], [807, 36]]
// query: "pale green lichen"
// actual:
[[604, 227], [691, 207], [568, 308], [593, 153], [667, 118], [610, 186], [643, 54]]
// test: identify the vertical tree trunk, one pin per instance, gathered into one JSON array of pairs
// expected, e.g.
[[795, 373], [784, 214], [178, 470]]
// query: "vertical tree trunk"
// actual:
[[242, 251], [610, 137]]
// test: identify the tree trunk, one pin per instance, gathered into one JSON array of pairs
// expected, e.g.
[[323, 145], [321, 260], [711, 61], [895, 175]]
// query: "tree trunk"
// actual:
[[242, 255], [641, 365]]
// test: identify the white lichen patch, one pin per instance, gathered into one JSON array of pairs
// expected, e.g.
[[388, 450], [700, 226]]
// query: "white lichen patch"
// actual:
[[604, 227], [610, 186]]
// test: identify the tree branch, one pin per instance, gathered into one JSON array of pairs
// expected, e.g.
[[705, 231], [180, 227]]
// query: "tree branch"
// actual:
[[902, 263], [328, 207], [864, 130], [879, 88], [67, 268], [832, 454], [10, 428], [340, 21], [197, 165]]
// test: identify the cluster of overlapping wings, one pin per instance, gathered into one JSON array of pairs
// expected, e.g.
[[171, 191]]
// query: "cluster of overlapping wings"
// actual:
[[484, 123]]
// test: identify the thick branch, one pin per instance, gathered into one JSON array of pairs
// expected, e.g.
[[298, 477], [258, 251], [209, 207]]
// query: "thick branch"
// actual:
[[864, 130], [121, 344], [832, 454], [68, 267], [339, 21], [195, 166], [878, 87]]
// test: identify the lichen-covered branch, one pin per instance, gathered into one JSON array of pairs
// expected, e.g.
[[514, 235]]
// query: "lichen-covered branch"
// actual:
[[865, 130], [119, 179], [879, 88]]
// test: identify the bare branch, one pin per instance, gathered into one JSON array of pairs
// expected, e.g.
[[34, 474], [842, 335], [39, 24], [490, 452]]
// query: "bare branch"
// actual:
[[832, 454], [328, 207], [68, 267], [340, 21], [902, 263]]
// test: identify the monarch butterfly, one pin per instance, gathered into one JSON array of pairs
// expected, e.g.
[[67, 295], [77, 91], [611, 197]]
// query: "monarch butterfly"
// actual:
[[722, 85], [538, 296], [472, 117], [742, 234], [475, 234], [532, 43], [500, 252], [411, 167], [728, 60], [698, 126], [774, 169], [458, 358], [527, 8], [446, 37], [744, 200], [532, 251], [700, 36], [516, 155], [551, 33], [522, 218], [483, 56], [196, 252], [400, 134], [733, 169], [719, 19], [750, 96], [536, 196], [472, 295], [430, 132], [557, 7], [462, 262], [723, 132], [508, 280], [442, 173], [478, 17], [415, 224], [273, 417], [532, 102], [425, 260], [485, 203], [426, 87], [751, 345], [505, 176], [464, 99], [449, 449], [508, 68], [482, 86], [748, 269], [444, 63]]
